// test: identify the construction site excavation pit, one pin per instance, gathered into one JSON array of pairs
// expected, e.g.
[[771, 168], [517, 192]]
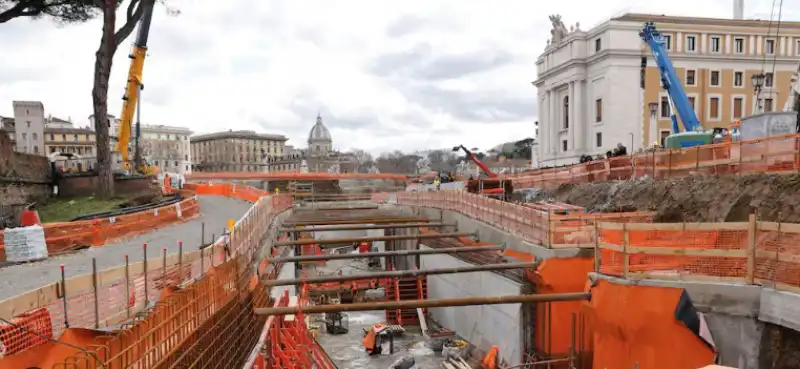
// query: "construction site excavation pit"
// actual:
[[331, 241]]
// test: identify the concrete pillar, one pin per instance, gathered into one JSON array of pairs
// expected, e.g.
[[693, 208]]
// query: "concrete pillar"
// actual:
[[581, 123], [572, 121]]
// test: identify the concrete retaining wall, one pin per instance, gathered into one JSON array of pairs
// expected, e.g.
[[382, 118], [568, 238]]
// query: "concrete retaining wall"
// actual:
[[482, 326]]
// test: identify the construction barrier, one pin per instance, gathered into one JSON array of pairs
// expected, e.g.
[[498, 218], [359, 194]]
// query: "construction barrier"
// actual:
[[114, 296], [293, 176], [543, 225], [64, 237], [778, 154]]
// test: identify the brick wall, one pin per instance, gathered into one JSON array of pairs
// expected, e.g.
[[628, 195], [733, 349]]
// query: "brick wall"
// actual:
[[24, 179], [86, 185]]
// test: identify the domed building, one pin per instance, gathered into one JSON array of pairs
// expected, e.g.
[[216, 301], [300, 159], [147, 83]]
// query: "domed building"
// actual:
[[319, 156]]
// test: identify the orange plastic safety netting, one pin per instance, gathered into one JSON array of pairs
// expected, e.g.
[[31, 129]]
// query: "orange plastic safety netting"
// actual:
[[109, 297], [774, 154]]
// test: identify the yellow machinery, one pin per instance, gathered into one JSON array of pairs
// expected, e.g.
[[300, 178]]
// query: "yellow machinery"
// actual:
[[132, 91]]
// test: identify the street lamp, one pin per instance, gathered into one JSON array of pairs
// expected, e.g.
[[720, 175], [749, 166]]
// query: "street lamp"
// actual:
[[758, 83], [653, 106]]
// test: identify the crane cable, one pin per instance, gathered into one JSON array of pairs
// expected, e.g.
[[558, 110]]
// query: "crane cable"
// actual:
[[777, 37]]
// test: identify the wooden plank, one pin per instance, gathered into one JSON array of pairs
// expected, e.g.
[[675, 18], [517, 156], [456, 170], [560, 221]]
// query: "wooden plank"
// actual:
[[752, 225], [676, 276], [779, 227], [785, 257], [685, 251], [610, 246]]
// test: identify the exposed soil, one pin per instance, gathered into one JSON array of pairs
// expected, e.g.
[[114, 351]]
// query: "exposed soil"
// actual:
[[780, 348], [688, 199]]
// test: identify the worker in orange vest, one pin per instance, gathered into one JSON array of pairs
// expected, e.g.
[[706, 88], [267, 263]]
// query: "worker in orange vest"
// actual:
[[363, 247], [490, 360]]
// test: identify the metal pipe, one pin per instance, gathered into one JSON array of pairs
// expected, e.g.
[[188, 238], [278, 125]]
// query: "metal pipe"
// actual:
[[367, 226], [383, 254], [333, 241], [397, 274], [416, 304], [339, 208], [354, 221]]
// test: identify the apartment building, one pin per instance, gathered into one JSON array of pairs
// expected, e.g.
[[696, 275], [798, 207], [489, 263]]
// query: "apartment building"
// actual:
[[34, 133], [235, 151], [167, 147], [597, 88]]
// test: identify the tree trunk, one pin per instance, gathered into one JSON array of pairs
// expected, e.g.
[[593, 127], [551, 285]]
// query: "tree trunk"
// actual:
[[102, 73]]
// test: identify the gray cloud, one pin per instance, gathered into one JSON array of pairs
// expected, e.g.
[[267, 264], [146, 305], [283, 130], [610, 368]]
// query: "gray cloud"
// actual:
[[419, 63], [485, 107], [405, 25]]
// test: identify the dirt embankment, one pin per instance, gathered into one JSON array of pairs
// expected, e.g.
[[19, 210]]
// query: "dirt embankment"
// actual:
[[689, 199]]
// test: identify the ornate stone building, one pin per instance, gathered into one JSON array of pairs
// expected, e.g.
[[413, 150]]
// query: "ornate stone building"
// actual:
[[319, 156]]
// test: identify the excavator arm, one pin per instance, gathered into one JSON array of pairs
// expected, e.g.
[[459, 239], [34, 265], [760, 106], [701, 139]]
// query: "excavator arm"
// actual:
[[477, 161], [134, 84]]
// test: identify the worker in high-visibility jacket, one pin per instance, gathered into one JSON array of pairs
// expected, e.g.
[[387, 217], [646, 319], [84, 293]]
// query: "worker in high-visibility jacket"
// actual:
[[363, 247]]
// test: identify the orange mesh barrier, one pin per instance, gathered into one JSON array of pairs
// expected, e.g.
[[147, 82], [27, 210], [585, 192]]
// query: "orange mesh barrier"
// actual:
[[293, 176], [122, 292], [777, 154], [539, 224], [68, 236]]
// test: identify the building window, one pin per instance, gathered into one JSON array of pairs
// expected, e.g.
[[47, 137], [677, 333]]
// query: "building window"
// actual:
[[28, 123], [738, 79], [797, 47], [35, 136], [692, 104], [691, 77], [186, 157], [52, 138], [566, 112], [714, 78], [715, 44], [24, 136], [738, 104], [563, 145], [738, 45], [768, 80], [665, 107], [87, 137], [36, 149], [767, 105], [598, 110], [668, 41], [664, 135], [769, 47], [598, 138], [76, 138], [598, 44], [63, 137], [713, 108], [691, 43]]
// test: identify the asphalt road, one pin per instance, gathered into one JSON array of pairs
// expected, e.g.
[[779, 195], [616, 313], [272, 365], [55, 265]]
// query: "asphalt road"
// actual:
[[214, 212]]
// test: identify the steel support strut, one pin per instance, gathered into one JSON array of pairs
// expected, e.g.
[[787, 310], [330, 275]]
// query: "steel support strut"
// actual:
[[398, 274], [334, 241], [366, 226], [315, 222], [447, 250], [414, 304]]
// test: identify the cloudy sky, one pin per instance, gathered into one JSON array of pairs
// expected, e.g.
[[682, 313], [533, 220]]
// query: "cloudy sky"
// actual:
[[384, 74]]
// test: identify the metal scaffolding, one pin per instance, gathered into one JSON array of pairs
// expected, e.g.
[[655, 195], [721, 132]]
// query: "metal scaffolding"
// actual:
[[367, 226]]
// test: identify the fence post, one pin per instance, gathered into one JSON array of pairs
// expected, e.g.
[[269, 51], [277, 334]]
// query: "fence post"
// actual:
[[164, 266], [625, 241], [64, 295], [596, 246], [752, 229], [127, 286], [144, 253], [180, 262], [96, 297]]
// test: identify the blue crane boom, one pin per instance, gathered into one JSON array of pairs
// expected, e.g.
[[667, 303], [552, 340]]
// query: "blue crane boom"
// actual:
[[670, 80]]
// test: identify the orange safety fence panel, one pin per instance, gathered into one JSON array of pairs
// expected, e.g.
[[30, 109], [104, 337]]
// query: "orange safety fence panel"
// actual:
[[119, 297], [778, 154]]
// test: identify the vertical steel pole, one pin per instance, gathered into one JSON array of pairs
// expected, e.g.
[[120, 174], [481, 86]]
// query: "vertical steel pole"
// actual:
[[96, 292], [144, 252], [64, 295]]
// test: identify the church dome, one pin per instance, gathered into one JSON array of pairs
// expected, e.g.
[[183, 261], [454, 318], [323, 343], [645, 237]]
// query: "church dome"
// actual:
[[319, 133]]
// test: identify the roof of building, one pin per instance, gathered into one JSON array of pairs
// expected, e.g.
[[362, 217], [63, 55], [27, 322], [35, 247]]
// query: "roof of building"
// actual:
[[239, 134], [637, 17], [67, 130], [165, 129], [319, 133], [58, 120]]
